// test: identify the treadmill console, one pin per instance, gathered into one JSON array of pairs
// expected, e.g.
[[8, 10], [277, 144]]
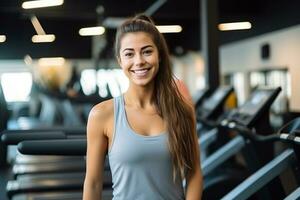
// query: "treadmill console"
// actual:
[[214, 103], [259, 101], [200, 96], [213, 100]]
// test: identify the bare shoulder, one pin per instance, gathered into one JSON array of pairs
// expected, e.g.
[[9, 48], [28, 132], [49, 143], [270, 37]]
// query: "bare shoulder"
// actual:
[[101, 116], [102, 110]]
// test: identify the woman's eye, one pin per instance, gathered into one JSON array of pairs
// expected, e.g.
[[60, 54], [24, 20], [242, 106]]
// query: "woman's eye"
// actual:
[[128, 54], [147, 52]]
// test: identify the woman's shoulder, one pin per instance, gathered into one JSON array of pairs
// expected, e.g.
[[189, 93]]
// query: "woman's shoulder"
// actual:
[[100, 119], [103, 110]]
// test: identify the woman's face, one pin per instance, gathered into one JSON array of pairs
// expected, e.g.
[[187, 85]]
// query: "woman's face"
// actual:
[[139, 58]]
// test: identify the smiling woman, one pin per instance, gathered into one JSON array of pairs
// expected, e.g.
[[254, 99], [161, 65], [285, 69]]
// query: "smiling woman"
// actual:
[[149, 131], [139, 58]]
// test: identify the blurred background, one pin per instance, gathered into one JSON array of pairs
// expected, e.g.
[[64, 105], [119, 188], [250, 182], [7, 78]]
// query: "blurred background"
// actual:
[[57, 62], [258, 55]]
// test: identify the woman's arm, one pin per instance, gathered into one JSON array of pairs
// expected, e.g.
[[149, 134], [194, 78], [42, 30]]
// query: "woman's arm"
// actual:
[[194, 185], [97, 144]]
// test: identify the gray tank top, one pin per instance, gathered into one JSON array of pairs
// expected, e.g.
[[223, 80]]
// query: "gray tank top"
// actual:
[[141, 166]]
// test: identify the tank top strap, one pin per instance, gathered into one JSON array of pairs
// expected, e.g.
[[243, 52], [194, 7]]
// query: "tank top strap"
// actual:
[[118, 118], [119, 112], [116, 111]]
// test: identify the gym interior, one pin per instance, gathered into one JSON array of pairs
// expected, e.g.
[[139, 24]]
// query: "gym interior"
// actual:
[[239, 61]]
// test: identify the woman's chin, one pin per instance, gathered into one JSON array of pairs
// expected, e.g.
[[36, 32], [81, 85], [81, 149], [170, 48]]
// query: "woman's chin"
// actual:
[[142, 82]]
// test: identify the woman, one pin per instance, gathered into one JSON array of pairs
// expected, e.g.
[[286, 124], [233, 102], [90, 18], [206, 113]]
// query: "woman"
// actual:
[[149, 132]]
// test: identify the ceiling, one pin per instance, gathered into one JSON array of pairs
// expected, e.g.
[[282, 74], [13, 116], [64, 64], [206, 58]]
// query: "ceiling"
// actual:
[[65, 21]]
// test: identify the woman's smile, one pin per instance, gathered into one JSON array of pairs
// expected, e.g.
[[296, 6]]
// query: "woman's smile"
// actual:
[[140, 73]]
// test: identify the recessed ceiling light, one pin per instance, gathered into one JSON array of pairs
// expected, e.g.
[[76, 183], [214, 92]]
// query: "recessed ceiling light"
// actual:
[[90, 31], [234, 26], [41, 3], [169, 28], [2, 38], [43, 38]]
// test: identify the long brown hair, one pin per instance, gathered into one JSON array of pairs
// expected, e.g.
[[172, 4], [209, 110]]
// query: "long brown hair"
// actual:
[[178, 114]]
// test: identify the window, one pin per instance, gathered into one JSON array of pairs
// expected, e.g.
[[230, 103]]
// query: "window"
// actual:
[[16, 86], [113, 80]]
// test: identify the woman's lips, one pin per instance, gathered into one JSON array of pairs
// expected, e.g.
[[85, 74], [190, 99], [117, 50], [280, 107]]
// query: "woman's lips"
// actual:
[[140, 72]]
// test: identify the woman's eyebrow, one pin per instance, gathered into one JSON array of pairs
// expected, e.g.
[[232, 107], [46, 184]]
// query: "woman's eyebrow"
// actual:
[[146, 47], [131, 49]]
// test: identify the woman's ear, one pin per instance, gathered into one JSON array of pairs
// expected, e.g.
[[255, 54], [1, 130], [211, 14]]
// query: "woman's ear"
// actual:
[[119, 60]]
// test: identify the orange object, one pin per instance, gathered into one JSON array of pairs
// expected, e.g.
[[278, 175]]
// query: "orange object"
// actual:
[[184, 90]]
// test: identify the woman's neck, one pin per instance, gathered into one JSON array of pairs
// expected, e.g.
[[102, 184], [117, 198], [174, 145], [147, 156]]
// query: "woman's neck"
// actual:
[[139, 97]]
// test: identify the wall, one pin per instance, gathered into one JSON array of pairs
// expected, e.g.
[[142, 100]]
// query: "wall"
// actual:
[[244, 55], [190, 69]]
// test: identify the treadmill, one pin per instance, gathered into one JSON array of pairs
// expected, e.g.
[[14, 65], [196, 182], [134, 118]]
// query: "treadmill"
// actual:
[[56, 185], [14, 136], [253, 114], [289, 133], [213, 106], [208, 113], [35, 177], [44, 164], [200, 96]]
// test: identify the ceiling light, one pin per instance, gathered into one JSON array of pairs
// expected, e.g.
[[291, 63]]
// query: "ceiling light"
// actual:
[[234, 26], [169, 29], [41, 3], [89, 31], [43, 38], [2, 38], [54, 61]]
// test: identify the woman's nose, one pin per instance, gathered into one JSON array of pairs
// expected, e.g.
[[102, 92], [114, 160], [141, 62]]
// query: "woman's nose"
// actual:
[[139, 59]]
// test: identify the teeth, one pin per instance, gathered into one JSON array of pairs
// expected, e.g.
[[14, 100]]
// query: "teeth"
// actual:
[[140, 71]]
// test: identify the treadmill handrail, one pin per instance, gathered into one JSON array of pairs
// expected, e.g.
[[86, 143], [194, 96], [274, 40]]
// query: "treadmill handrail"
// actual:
[[252, 135], [261, 177], [67, 130], [15, 138], [70, 147]]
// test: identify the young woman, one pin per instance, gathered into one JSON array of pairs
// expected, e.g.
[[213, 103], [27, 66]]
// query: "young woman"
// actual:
[[149, 132]]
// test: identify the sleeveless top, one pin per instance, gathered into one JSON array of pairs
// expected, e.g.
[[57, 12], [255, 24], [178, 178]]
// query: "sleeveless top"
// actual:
[[141, 166]]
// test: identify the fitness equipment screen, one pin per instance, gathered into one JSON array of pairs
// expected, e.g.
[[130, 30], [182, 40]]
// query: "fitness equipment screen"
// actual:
[[252, 106]]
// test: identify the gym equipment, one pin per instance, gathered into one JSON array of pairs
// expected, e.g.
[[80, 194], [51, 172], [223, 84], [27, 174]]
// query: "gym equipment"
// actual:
[[200, 96], [288, 158], [73, 147], [211, 108], [56, 182], [254, 113], [13, 137], [23, 164]]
